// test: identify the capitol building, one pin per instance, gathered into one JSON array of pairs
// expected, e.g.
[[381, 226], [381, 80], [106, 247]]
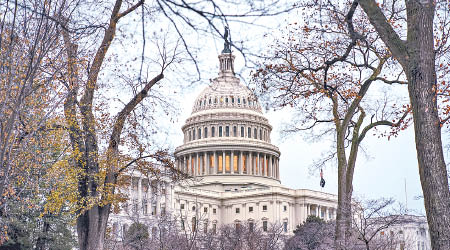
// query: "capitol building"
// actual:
[[233, 168]]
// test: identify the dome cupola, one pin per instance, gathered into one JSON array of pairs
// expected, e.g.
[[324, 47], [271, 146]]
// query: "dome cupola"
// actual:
[[227, 134]]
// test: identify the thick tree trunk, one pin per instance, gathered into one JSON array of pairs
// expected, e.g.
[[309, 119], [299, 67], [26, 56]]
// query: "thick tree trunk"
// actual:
[[345, 189], [422, 91], [91, 228]]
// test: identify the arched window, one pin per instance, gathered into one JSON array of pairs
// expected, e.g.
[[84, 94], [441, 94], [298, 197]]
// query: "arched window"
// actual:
[[239, 100], [190, 136], [193, 134], [242, 131], [260, 134], [215, 100], [226, 99], [206, 133], [243, 100], [227, 131], [255, 133], [234, 131], [232, 99], [213, 131], [249, 132], [209, 100], [220, 131], [199, 133]]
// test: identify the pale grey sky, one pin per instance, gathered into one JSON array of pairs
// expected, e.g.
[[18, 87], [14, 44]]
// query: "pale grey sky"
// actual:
[[380, 172]]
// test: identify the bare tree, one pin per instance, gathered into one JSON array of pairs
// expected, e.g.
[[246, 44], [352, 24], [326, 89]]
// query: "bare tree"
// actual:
[[313, 234], [327, 82]]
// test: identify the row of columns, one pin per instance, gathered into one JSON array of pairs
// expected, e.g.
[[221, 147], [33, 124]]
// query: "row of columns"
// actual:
[[152, 196], [316, 210], [234, 162]]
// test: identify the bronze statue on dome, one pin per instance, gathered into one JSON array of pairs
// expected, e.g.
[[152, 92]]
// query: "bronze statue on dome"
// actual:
[[227, 44]]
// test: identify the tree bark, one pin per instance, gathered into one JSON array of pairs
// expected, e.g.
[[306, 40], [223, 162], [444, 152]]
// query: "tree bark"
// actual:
[[422, 89], [417, 58]]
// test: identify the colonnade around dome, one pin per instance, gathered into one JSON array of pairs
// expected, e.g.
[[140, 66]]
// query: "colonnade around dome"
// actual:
[[229, 162]]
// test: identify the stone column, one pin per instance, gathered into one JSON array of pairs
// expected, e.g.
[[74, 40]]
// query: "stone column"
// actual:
[[149, 197], [241, 162], [270, 174], [232, 161], [207, 162], [130, 195], [139, 195], [158, 198], [190, 165], [215, 162], [250, 163], [327, 217], [318, 211]]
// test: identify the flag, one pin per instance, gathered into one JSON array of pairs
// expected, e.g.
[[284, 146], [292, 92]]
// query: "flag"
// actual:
[[322, 181]]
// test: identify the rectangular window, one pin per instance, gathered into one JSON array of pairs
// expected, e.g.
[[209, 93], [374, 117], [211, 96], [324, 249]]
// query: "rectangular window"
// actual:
[[242, 131], [206, 133], [182, 224], [238, 210], [265, 208], [220, 163], [220, 131], [227, 131], [249, 133], [227, 163], [235, 163], [214, 211], [205, 209], [265, 226], [250, 209], [199, 133], [190, 136], [260, 134], [285, 226], [255, 134], [284, 208], [250, 226], [181, 206], [193, 134], [213, 131], [235, 131], [214, 228]]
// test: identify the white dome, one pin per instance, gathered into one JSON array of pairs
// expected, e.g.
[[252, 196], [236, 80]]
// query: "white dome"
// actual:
[[227, 135]]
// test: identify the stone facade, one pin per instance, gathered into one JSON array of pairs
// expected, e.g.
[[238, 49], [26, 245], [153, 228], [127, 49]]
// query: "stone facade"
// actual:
[[234, 167]]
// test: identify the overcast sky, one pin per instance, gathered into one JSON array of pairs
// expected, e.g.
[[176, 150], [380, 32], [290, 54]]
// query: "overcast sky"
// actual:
[[380, 172]]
